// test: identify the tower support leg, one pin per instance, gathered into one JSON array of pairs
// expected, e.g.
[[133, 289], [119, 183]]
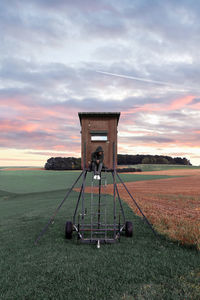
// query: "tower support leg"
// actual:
[[57, 209], [145, 218]]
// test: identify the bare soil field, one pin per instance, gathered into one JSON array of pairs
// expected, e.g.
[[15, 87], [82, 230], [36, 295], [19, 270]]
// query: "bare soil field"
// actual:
[[172, 205]]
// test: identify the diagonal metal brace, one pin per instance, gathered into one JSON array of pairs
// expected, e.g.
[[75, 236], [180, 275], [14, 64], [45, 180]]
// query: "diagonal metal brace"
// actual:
[[80, 194], [145, 218], [57, 209], [120, 201]]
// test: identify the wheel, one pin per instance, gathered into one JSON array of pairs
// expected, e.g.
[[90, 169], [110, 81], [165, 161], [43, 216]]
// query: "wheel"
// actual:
[[68, 230], [129, 229]]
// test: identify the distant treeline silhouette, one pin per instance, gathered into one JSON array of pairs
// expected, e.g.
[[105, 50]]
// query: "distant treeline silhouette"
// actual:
[[73, 163], [63, 163], [126, 159]]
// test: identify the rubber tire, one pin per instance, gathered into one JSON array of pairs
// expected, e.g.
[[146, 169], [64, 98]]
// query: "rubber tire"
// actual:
[[68, 230], [128, 229]]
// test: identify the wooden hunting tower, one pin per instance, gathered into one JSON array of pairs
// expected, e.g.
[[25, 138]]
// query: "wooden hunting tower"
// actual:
[[99, 129]]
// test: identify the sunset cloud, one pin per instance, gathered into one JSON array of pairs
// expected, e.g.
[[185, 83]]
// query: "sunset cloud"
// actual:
[[182, 102], [50, 52]]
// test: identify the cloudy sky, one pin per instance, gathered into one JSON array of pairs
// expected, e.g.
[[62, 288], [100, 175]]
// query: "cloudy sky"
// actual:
[[51, 51]]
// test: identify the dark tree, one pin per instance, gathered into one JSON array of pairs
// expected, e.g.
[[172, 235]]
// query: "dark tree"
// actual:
[[63, 163], [125, 159]]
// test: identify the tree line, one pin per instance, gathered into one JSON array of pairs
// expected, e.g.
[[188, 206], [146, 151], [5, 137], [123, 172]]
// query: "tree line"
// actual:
[[73, 163], [126, 159]]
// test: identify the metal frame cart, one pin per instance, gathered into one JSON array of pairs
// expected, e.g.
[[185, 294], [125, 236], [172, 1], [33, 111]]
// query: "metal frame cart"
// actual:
[[94, 226]]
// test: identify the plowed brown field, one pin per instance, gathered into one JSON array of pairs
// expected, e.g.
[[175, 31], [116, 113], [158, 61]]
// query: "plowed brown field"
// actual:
[[172, 205]]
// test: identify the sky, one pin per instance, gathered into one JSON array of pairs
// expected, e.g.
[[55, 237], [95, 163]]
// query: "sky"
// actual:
[[51, 53]]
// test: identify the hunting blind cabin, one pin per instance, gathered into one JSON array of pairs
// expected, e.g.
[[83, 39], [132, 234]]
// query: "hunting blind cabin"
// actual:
[[95, 220], [99, 129]]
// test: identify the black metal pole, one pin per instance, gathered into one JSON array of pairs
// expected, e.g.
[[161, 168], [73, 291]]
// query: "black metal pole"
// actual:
[[84, 156], [79, 197], [99, 204], [114, 186], [83, 204], [145, 218], [56, 211], [120, 201]]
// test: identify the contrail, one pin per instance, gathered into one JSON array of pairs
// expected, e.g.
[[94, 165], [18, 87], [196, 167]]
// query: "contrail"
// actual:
[[147, 80]]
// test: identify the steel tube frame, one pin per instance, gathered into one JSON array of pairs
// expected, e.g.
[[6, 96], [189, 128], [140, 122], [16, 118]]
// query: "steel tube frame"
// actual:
[[114, 187], [57, 209], [99, 204], [145, 218], [79, 197], [84, 227], [83, 202], [120, 202]]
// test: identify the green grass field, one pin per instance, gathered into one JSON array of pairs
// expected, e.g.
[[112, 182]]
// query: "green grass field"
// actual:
[[40, 181], [141, 267], [160, 167]]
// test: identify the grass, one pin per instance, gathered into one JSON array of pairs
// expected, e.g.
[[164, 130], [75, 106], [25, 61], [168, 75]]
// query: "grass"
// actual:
[[40, 181], [141, 267], [160, 167]]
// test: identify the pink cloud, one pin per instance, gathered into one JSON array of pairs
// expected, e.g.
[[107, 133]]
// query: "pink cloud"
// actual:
[[56, 127], [195, 106], [35, 126], [28, 109], [17, 126], [181, 102], [14, 102], [59, 147], [149, 107], [75, 137], [156, 107]]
